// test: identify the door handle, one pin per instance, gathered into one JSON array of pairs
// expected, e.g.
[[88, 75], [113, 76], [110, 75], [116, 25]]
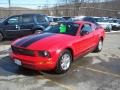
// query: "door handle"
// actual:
[[18, 27]]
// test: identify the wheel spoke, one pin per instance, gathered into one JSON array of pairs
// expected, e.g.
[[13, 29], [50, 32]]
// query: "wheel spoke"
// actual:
[[100, 45], [65, 61]]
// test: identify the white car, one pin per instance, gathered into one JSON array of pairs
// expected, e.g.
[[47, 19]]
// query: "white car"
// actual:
[[115, 24], [55, 18], [104, 22], [106, 25]]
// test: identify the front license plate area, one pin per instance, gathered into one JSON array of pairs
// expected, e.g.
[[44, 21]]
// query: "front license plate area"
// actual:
[[18, 62]]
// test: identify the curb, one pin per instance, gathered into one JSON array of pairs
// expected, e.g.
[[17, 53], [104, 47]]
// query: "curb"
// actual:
[[113, 32]]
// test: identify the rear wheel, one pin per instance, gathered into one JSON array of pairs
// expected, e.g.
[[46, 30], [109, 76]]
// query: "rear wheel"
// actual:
[[64, 62], [1, 36], [99, 46]]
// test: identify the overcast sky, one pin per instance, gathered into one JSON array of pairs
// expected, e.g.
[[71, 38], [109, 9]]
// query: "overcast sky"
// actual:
[[26, 3], [35, 4]]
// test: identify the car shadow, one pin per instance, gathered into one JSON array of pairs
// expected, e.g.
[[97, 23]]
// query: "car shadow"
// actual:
[[8, 68]]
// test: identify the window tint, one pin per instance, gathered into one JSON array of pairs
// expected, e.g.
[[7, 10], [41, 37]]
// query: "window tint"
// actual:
[[63, 28], [41, 18], [13, 20], [27, 19], [86, 27]]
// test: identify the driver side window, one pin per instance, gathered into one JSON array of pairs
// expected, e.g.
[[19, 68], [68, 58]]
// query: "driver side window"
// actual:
[[13, 20], [87, 27]]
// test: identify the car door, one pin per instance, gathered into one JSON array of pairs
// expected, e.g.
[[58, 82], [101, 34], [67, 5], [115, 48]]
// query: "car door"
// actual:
[[84, 41], [89, 36], [95, 34], [26, 25], [11, 27]]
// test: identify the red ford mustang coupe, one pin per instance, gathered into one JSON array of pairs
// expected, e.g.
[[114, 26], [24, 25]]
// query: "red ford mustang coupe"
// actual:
[[58, 46]]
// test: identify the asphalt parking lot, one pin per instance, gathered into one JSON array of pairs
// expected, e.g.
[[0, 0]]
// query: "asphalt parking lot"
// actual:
[[95, 71]]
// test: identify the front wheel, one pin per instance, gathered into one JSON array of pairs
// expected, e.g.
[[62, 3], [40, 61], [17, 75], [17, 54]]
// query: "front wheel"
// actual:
[[99, 46], [64, 62]]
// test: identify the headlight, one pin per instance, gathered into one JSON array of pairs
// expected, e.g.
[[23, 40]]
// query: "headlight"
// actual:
[[44, 53]]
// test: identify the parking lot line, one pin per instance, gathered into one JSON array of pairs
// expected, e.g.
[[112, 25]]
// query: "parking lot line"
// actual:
[[99, 71], [113, 32], [59, 84]]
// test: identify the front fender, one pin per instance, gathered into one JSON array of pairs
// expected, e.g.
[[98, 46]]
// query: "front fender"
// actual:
[[56, 50]]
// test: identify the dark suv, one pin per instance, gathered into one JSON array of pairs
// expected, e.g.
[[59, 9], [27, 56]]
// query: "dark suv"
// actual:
[[22, 25]]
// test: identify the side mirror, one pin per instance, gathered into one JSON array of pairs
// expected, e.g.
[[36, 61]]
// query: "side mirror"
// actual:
[[84, 33]]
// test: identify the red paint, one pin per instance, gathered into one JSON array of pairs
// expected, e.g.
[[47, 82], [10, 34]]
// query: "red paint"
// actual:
[[56, 44]]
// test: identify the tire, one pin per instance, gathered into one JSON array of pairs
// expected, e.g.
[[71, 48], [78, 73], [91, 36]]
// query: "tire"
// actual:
[[64, 62], [1, 36], [99, 46], [38, 31]]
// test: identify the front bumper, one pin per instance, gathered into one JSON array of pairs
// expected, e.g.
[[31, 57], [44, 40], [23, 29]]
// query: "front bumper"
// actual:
[[35, 63]]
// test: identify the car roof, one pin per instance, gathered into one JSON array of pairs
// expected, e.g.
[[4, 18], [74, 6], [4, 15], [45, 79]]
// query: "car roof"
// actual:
[[55, 16], [32, 14], [27, 15]]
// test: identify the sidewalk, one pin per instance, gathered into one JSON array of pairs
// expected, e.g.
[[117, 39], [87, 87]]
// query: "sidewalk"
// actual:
[[113, 32], [4, 50], [4, 47]]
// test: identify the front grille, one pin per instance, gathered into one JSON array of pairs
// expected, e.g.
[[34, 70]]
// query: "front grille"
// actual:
[[22, 51]]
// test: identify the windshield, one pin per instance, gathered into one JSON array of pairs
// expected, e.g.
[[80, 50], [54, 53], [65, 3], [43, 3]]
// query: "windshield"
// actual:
[[63, 28]]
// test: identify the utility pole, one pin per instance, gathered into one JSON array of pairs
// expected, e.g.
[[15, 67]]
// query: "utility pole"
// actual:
[[9, 2]]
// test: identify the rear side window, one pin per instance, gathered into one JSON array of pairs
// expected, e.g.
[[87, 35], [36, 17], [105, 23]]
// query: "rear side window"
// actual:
[[27, 19], [41, 18]]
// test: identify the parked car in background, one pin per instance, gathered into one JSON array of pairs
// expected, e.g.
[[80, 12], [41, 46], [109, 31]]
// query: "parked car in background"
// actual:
[[104, 22], [115, 23], [22, 25], [83, 18], [58, 46], [55, 18], [66, 17]]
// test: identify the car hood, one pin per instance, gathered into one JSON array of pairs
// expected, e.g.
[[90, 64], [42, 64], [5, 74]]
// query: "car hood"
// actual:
[[42, 41]]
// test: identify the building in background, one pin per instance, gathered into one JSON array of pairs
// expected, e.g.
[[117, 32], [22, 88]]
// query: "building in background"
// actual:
[[108, 8]]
